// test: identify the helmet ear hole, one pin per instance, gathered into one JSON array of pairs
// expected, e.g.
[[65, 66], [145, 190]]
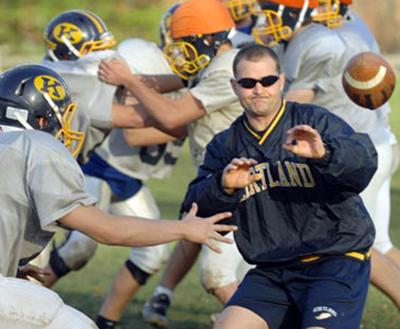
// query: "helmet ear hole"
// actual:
[[41, 121]]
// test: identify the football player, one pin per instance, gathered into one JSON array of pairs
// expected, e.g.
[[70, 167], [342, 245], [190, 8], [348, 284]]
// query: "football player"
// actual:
[[115, 171], [202, 55], [43, 191], [314, 75]]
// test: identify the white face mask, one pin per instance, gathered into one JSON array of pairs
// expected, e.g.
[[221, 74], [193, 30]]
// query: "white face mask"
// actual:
[[7, 129]]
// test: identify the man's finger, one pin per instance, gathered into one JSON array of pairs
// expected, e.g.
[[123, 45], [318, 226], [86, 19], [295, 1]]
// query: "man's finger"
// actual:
[[225, 228], [220, 216], [213, 247], [219, 237], [193, 209]]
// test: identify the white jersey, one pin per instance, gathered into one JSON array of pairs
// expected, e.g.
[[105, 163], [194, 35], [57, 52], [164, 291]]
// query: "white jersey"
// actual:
[[220, 102], [143, 57], [93, 98], [358, 38], [319, 66], [41, 182], [354, 25]]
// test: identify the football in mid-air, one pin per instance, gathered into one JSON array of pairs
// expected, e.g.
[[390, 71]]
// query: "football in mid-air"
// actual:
[[368, 80]]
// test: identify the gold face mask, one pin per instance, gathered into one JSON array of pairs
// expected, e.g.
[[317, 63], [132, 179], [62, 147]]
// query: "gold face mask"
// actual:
[[271, 31], [240, 9], [328, 14], [184, 59], [72, 140]]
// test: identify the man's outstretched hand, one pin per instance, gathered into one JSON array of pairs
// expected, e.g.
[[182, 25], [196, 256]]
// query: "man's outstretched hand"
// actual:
[[205, 230]]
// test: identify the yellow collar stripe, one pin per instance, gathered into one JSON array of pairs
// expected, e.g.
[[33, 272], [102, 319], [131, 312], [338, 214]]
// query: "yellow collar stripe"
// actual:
[[251, 131], [273, 123]]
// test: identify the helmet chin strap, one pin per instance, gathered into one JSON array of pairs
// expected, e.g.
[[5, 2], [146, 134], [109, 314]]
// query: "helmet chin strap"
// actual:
[[22, 121], [54, 106], [302, 15], [71, 48]]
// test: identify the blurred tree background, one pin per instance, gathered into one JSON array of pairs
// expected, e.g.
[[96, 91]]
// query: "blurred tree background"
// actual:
[[23, 21]]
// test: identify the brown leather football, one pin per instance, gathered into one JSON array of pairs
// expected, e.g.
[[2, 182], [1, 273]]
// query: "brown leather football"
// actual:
[[368, 80]]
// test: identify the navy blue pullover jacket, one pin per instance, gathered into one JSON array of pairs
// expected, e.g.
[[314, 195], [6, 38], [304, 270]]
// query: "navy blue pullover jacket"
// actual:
[[300, 206]]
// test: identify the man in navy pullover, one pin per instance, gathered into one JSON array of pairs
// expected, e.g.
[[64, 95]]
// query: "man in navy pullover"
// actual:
[[291, 173]]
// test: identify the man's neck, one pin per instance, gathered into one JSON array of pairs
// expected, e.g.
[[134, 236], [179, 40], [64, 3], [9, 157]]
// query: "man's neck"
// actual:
[[261, 123]]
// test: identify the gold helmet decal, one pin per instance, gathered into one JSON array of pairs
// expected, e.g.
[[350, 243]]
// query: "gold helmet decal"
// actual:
[[47, 84], [69, 31]]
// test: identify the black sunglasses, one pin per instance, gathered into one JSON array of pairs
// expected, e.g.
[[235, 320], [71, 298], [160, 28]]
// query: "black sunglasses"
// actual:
[[249, 83]]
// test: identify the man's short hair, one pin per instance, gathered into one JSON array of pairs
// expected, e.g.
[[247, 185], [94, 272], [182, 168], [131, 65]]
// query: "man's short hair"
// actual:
[[254, 53]]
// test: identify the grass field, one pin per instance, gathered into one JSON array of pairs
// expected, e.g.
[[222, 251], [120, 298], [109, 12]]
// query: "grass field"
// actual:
[[192, 306]]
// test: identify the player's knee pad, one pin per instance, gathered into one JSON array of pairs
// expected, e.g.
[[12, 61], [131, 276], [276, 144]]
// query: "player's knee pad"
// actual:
[[27, 305], [77, 250], [138, 274], [57, 264], [150, 259], [219, 270]]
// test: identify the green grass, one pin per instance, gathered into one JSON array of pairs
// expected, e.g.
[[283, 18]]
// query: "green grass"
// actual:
[[192, 306]]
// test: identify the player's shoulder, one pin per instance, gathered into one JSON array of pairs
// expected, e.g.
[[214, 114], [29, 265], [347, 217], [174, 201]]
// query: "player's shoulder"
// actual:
[[223, 61], [87, 65], [144, 57], [317, 39], [40, 143]]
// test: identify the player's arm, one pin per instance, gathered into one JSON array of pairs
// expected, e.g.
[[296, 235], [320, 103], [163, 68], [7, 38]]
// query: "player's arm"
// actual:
[[162, 83], [167, 114], [126, 116], [135, 231], [151, 136]]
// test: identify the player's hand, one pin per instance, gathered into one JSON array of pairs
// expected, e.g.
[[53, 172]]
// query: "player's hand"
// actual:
[[114, 71], [205, 230], [31, 271], [305, 142], [237, 174]]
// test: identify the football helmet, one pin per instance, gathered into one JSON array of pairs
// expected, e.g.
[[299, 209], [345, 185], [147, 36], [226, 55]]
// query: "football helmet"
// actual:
[[198, 29], [281, 18], [36, 97], [344, 6], [74, 33], [240, 9], [165, 26], [328, 13], [191, 54]]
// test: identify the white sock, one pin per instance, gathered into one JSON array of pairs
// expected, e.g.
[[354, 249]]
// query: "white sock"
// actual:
[[163, 290]]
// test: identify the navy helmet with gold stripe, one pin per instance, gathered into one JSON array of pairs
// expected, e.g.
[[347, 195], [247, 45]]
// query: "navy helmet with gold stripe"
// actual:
[[74, 33], [36, 97]]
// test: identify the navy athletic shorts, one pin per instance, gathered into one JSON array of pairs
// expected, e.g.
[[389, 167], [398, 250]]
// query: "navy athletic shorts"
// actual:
[[328, 293]]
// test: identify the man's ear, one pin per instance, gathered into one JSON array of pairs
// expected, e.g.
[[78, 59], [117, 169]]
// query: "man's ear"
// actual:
[[233, 84], [282, 81]]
